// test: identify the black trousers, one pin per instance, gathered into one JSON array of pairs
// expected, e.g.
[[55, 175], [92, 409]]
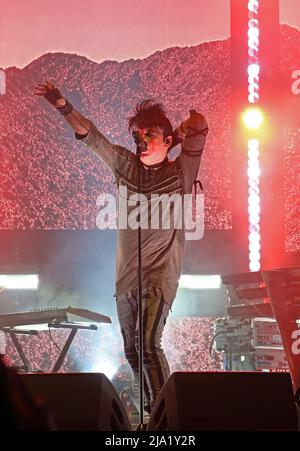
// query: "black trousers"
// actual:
[[155, 312]]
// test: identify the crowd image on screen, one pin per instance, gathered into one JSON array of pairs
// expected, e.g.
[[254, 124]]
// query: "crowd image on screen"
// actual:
[[186, 342]]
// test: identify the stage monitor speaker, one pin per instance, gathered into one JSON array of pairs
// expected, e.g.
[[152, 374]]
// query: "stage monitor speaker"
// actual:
[[225, 401], [79, 401]]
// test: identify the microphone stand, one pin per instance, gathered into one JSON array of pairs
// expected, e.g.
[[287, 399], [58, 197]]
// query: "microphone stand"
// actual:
[[141, 145]]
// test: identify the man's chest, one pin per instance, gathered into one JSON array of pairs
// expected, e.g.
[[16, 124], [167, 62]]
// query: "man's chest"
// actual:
[[164, 180]]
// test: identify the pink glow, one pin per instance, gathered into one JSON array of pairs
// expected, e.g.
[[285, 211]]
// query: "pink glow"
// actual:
[[102, 29], [114, 29]]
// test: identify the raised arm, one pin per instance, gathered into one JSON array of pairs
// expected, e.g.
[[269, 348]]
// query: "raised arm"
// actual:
[[80, 124], [192, 133], [84, 129]]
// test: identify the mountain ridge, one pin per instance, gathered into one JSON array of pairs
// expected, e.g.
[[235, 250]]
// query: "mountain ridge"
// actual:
[[54, 181]]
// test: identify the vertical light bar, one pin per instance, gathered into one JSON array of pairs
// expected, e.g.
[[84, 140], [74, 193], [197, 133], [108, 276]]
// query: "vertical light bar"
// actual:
[[253, 144], [254, 204], [253, 51]]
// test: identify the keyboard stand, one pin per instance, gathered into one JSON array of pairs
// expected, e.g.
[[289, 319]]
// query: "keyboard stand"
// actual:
[[12, 331], [74, 328]]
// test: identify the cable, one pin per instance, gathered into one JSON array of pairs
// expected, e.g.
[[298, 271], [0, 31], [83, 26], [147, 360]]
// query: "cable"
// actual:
[[213, 339], [49, 330], [257, 309]]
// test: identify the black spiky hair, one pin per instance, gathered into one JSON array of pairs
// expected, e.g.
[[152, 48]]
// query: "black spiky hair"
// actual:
[[148, 114]]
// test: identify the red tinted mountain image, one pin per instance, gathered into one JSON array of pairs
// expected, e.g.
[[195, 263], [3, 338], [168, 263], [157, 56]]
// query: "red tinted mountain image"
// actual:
[[48, 180]]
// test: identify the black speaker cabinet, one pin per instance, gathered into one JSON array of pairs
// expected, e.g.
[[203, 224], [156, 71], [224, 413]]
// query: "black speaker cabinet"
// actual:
[[225, 401], [79, 401]]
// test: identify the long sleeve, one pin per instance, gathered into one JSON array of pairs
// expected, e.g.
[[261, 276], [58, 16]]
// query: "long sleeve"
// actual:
[[191, 152], [111, 154]]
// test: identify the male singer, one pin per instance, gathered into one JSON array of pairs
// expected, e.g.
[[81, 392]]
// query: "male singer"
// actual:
[[162, 249]]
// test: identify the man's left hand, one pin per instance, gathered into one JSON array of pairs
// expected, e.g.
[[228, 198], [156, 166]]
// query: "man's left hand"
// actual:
[[194, 124]]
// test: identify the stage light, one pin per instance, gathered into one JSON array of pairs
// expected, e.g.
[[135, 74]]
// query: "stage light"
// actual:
[[253, 205], [19, 282], [253, 118], [253, 6], [253, 70], [254, 228], [203, 282], [254, 237], [254, 265], [253, 190]]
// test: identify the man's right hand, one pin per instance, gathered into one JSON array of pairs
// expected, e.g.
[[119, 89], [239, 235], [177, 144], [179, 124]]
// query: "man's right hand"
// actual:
[[51, 93]]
